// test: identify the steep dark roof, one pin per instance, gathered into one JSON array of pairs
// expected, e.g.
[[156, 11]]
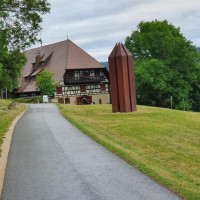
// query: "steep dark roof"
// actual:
[[62, 55]]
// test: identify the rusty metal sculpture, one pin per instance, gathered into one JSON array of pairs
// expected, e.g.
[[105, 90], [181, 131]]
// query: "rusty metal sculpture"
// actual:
[[122, 79]]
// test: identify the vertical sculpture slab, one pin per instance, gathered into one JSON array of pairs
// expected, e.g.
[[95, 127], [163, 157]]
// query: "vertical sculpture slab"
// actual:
[[122, 80], [113, 80], [131, 80]]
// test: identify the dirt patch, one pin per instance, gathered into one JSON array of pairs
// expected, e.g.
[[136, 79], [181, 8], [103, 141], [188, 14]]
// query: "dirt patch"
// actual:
[[5, 150]]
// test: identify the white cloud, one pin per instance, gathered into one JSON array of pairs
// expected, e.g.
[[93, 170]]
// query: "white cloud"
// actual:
[[97, 25], [101, 53]]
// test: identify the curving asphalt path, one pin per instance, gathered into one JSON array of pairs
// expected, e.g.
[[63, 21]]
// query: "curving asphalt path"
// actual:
[[50, 159]]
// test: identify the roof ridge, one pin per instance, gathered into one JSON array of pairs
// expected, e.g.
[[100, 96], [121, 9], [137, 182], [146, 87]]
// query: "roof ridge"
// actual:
[[67, 52]]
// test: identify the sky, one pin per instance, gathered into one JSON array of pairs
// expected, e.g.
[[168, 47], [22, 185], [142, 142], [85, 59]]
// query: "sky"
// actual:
[[97, 25]]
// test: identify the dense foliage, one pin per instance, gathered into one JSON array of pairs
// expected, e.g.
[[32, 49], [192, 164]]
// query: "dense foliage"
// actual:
[[166, 64], [19, 28], [20, 20], [11, 63], [35, 99], [46, 83]]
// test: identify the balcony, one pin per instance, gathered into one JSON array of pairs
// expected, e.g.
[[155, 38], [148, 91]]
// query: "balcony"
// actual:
[[85, 79]]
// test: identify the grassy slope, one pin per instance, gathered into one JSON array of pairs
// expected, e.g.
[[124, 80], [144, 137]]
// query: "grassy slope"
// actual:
[[163, 143], [7, 116]]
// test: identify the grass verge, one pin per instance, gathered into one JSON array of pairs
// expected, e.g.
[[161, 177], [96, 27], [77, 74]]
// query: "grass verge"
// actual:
[[162, 143], [7, 116]]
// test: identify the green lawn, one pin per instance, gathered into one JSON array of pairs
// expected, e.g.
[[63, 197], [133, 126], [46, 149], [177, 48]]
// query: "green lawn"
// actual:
[[7, 116], [163, 143]]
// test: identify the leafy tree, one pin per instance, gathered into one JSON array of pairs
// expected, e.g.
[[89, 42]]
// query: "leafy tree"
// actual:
[[151, 81], [11, 63], [46, 83], [20, 20], [11, 70], [195, 96], [179, 61], [19, 27]]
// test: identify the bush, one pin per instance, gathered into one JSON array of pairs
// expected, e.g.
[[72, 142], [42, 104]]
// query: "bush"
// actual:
[[36, 99], [21, 100]]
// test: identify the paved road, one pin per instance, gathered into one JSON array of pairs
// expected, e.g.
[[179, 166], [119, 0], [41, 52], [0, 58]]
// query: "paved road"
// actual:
[[50, 159]]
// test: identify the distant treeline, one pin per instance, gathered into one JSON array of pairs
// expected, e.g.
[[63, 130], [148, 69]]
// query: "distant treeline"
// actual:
[[105, 64]]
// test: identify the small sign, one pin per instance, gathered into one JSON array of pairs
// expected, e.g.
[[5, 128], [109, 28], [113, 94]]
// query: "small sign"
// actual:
[[45, 99]]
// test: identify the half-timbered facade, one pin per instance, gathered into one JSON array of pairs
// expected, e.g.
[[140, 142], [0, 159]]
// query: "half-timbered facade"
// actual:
[[82, 79]]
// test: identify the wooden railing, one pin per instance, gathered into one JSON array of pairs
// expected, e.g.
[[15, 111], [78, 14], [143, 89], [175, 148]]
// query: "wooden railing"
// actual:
[[85, 79]]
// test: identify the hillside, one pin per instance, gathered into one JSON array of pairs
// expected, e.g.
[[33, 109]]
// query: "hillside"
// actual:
[[162, 143], [105, 64]]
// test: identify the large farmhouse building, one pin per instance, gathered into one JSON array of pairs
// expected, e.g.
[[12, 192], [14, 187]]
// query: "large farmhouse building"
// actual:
[[82, 79]]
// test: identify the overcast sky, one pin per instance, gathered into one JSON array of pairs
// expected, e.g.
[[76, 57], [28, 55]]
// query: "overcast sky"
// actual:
[[97, 25]]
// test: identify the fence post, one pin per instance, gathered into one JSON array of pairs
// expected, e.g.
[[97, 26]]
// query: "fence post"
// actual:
[[6, 94], [171, 102], [184, 104], [1, 94]]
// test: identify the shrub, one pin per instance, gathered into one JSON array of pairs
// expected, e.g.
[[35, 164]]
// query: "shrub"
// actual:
[[35, 99], [21, 100]]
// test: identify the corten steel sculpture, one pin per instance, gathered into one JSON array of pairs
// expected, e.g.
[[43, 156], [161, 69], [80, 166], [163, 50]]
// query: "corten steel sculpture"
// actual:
[[122, 79]]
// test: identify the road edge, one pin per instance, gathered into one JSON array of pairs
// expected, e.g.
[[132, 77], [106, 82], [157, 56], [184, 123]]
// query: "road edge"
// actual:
[[6, 148]]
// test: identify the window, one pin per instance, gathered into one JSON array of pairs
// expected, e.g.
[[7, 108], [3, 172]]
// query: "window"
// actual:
[[59, 90], [60, 100], [81, 74], [89, 99], [76, 74], [103, 87], [86, 73], [23, 94], [83, 88], [67, 100], [83, 100], [78, 101], [92, 72], [97, 72], [33, 78]]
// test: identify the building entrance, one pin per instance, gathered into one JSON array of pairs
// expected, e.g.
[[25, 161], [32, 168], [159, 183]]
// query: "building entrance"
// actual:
[[83, 100]]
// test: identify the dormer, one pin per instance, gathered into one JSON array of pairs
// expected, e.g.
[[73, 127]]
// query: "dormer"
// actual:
[[40, 61], [37, 59]]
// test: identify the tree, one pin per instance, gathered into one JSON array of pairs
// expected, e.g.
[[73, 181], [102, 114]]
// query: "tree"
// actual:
[[20, 20], [180, 62], [11, 70], [151, 81], [45, 82], [19, 28], [11, 63]]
